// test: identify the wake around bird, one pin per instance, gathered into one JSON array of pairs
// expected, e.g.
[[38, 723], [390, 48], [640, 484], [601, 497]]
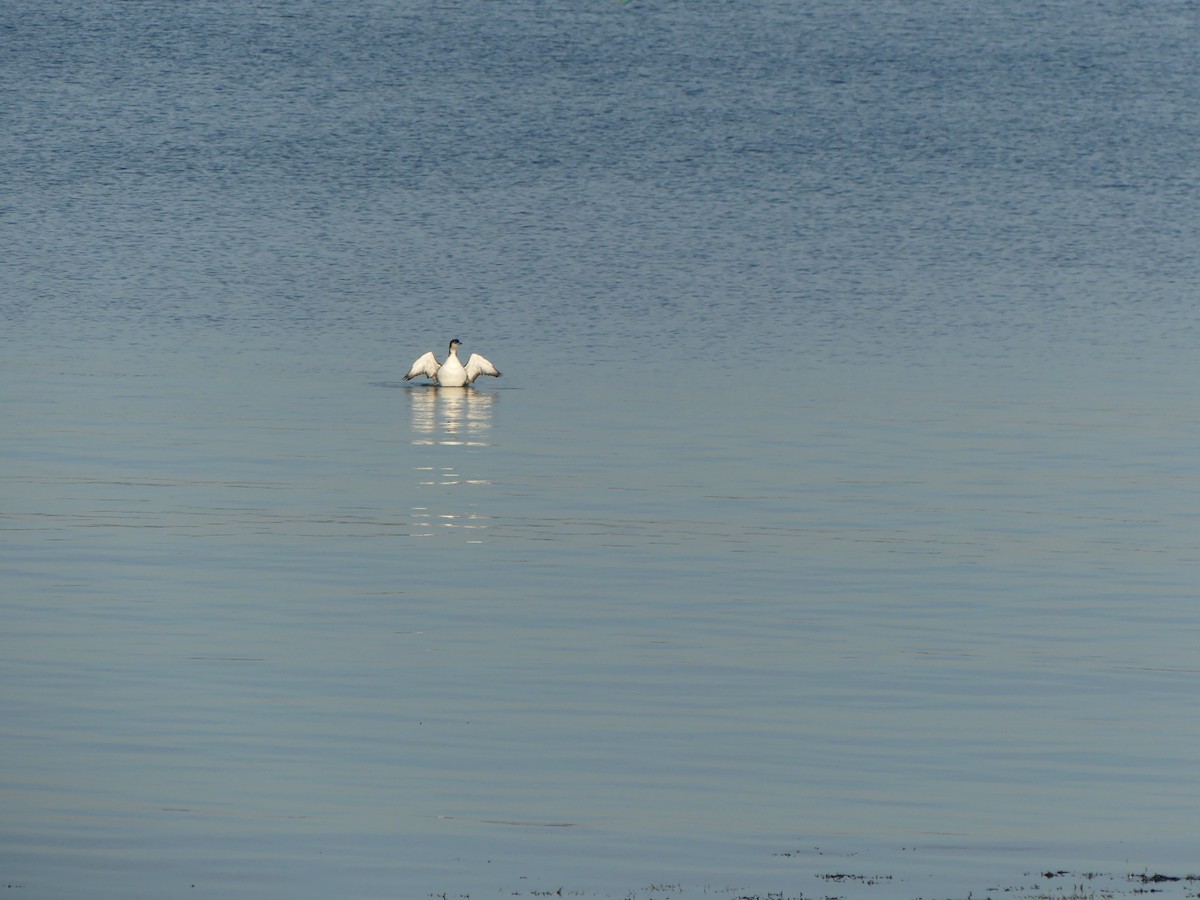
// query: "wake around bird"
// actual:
[[452, 373]]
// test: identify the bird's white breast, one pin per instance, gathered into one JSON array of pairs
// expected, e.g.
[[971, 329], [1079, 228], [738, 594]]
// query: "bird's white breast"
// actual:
[[452, 373]]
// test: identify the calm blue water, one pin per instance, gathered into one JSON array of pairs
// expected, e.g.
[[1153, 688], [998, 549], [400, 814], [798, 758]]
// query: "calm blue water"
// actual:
[[831, 532]]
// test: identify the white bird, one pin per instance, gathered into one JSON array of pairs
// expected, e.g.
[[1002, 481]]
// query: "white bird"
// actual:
[[452, 373]]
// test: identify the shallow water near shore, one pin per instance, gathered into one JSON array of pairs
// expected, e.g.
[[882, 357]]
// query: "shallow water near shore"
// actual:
[[831, 531]]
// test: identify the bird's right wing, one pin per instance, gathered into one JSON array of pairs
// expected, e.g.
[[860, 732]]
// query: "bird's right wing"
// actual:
[[427, 365]]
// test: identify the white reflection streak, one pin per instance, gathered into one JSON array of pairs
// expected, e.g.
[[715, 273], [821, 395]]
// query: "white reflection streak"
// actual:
[[448, 417], [451, 416]]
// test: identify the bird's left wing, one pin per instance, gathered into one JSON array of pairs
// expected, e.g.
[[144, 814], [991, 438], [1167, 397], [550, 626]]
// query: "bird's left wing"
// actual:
[[477, 366], [427, 365]]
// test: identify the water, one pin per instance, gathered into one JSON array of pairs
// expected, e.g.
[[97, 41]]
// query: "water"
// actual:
[[831, 531]]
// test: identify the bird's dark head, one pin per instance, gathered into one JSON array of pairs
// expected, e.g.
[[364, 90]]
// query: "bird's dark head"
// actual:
[[454, 344]]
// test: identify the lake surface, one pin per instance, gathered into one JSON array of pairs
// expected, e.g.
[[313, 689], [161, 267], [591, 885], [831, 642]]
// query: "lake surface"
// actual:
[[832, 530]]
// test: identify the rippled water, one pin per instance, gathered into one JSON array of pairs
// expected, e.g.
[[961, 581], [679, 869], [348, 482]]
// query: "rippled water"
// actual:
[[832, 530]]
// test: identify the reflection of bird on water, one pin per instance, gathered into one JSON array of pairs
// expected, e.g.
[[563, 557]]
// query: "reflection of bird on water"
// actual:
[[452, 416], [452, 373]]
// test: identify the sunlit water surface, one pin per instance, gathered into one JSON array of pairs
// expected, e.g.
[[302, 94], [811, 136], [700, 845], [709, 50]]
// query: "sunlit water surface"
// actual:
[[832, 530]]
